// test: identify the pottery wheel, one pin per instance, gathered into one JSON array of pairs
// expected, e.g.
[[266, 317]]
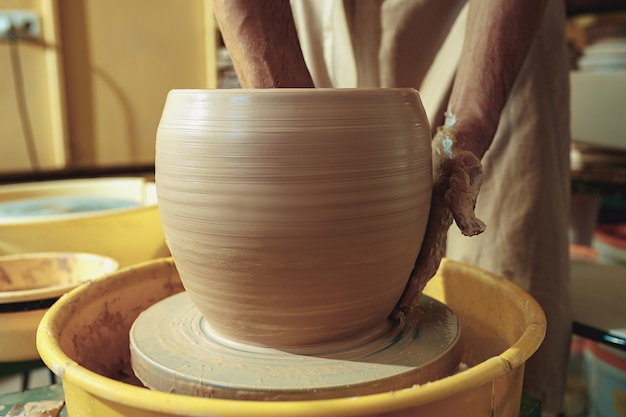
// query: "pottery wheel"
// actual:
[[173, 349]]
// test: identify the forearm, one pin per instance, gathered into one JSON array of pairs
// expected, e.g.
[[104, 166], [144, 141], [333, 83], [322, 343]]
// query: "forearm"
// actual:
[[263, 43], [498, 36]]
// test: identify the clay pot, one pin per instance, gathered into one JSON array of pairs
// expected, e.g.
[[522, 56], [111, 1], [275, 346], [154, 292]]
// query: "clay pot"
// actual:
[[294, 216]]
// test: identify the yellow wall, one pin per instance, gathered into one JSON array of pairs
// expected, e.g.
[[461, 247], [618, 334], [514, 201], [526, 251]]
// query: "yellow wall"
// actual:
[[121, 57], [118, 59], [43, 95]]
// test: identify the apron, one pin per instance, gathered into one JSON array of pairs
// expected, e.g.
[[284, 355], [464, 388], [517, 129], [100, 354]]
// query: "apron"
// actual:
[[524, 199]]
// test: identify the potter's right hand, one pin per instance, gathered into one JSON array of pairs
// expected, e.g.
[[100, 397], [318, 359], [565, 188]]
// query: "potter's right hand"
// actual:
[[485, 75], [457, 177]]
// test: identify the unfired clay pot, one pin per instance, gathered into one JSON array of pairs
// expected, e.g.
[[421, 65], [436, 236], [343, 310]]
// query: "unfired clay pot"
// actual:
[[294, 216]]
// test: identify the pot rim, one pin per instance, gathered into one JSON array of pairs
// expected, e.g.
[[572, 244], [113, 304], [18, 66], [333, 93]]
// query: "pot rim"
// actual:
[[287, 91]]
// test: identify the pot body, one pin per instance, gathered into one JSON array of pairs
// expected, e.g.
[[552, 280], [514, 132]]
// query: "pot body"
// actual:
[[294, 216]]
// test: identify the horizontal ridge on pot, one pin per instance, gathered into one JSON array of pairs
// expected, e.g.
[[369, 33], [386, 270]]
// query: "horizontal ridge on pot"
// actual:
[[294, 216]]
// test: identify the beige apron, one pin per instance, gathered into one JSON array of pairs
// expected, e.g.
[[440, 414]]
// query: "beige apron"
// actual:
[[525, 197]]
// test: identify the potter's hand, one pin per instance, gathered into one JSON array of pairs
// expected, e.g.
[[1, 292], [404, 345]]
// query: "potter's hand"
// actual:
[[457, 177]]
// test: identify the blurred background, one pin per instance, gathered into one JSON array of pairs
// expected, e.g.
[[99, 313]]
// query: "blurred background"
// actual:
[[83, 83]]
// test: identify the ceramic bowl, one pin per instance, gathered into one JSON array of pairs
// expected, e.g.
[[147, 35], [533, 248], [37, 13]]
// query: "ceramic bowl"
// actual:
[[116, 217], [294, 216], [29, 284]]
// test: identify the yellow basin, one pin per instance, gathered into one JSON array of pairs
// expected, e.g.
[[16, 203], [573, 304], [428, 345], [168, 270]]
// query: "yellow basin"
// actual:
[[83, 338], [129, 234], [29, 283]]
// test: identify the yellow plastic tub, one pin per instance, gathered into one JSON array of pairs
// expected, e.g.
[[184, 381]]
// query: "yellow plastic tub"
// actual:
[[83, 338], [31, 282], [130, 234]]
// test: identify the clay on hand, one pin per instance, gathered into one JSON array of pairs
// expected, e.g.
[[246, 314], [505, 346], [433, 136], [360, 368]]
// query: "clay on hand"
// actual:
[[457, 178]]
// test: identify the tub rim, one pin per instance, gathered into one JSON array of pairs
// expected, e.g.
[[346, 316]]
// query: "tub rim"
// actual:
[[116, 391]]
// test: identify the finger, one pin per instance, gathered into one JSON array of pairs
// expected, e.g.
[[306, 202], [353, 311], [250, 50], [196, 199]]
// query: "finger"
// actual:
[[464, 173], [430, 255]]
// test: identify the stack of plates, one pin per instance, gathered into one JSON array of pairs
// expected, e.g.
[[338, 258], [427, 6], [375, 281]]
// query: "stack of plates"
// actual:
[[607, 48], [610, 243]]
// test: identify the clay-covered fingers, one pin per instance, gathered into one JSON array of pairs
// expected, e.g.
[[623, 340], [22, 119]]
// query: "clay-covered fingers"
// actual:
[[457, 178], [464, 178], [430, 255], [457, 174]]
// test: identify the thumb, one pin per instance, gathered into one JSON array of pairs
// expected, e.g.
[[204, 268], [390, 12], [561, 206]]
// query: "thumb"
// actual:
[[465, 178], [457, 176]]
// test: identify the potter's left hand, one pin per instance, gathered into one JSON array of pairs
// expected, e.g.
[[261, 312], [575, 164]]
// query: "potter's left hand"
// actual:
[[457, 177]]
